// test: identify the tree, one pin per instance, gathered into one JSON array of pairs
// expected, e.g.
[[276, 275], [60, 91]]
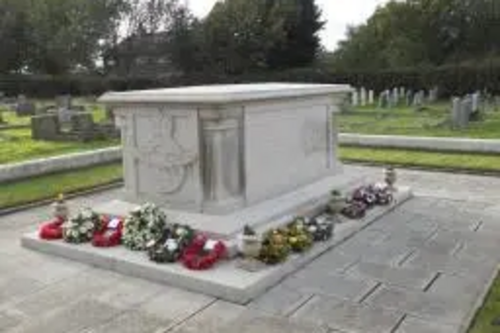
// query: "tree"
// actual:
[[65, 35], [13, 35], [301, 25], [422, 32]]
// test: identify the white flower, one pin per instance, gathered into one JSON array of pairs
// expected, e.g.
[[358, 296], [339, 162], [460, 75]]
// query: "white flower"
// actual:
[[171, 244]]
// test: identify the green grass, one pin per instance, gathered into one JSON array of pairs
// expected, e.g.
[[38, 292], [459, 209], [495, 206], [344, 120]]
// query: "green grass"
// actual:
[[17, 145], [490, 311], [422, 158], [44, 187], [405, 121]]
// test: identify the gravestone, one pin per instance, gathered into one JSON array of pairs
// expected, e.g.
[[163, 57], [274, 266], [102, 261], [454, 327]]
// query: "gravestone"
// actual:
[[24, 107], [409, 98], [395, 96], [418, 99], [355, 98], [45, 127], [433, 95], [402, 92], [364, 96], [64, 102], [371, 97], [383, 101], [82, 122], [476, 102]]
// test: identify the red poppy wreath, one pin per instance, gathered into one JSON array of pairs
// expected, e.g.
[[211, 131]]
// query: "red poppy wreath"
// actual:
[[52, 230], [203, 253], [109, 233]]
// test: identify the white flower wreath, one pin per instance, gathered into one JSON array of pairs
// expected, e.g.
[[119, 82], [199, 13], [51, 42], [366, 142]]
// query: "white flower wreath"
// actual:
[[81, 228], [145, 224]]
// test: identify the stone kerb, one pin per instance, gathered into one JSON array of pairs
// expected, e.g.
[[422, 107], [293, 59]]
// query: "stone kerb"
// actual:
[[14, 171], [424, 143]]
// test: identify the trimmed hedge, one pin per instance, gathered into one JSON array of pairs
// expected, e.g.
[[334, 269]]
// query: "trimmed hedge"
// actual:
[[452, 80]]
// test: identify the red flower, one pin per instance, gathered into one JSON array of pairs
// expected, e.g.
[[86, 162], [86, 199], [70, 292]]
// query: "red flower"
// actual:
[[109, 234], [52, 230], [195, 257]]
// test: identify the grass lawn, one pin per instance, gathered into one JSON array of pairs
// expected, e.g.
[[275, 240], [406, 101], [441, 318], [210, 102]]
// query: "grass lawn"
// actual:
[[490, 311], [17, 145], [406, 121], [421, 158], [49, 186]]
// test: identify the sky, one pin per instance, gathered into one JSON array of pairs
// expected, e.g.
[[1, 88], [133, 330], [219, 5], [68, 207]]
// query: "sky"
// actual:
[[339, 14]]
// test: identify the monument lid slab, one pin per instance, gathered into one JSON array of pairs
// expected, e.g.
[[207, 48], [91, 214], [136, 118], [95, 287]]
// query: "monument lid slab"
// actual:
[[224, 94]]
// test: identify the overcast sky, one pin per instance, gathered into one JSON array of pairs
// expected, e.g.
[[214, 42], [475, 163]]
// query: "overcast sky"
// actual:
[[338, 14]]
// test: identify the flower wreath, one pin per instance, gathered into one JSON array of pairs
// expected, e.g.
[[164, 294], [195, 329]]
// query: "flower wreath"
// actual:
[[275, 247], [298, 236], [52, 230], [168, 248], [203, 253], [320, 227], [145, 224], [109, 232], [81, 228]]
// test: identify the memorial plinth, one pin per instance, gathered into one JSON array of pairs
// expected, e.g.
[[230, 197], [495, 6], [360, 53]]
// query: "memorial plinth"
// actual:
[[219, 150]]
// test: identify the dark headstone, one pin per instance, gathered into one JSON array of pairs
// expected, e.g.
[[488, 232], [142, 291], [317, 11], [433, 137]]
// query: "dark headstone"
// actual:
[[82, 122], [45, 127], [24, 107]]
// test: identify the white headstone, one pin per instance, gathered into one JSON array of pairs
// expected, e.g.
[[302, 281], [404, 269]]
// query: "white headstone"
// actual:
[[395, 97], [371, 97], [355, 98], [363, 96], [476, 100]]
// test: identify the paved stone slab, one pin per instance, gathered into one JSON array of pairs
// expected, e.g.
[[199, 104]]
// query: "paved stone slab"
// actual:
[[254, 322], [332, 262], [59, 295], [342, 287], [349, 317], [447, 264], [416, 325], [460, 288], [280, 300], [73, 318], [132, 322], [409, 278], [13, 287], [212, 319], [420, 304]]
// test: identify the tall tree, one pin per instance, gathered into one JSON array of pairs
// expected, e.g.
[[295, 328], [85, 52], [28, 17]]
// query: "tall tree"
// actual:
[[13, 35]]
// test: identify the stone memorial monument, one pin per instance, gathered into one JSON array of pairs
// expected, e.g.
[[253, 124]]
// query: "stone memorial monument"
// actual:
[[219, 150]]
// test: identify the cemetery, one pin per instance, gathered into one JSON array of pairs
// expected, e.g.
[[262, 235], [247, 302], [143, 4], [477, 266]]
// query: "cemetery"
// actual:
[[260, 166]]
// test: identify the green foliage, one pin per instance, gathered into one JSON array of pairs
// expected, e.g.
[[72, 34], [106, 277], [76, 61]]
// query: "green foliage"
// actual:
[[488, 313], [425, 159], [17, 145], [242, 36], [422, 33], [405, 121], [48, 186]]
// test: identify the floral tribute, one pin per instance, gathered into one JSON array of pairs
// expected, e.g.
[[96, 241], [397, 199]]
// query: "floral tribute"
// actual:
[[299, 238], [144, 225], [109, 232], [169, 247], [52, 230], [81, 228], [367, 197], [203, 253], [275, 247], [320, 227]]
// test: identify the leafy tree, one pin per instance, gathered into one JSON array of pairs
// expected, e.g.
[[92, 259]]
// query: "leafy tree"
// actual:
[[13, 35]]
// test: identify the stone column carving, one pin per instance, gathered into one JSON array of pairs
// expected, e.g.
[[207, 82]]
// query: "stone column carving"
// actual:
[[222, 161]]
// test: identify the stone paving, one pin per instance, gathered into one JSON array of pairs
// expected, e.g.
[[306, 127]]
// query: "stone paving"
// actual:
[[420, 269]]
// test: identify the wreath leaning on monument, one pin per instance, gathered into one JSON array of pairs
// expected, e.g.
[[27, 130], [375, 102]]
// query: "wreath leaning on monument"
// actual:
[[203, 253], [169, 247], [81, 228], [109, 232], [144, 224]]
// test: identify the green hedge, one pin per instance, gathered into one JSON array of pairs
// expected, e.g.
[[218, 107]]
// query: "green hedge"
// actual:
[[452, 80]]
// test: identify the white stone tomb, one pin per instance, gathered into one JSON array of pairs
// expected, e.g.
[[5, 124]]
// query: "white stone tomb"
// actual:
[[216, 156]]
